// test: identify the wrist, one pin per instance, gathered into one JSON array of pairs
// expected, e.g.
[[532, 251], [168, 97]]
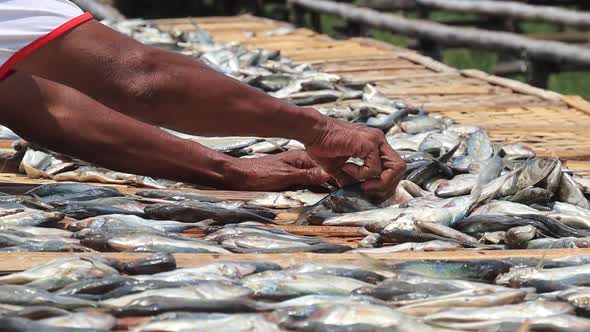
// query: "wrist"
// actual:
[[307, 124]]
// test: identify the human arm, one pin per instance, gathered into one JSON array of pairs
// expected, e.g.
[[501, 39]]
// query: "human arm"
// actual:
[[171, 90], [69, 122]]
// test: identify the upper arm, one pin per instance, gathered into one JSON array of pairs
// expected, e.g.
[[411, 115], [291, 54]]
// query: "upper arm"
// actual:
[[93, 59]]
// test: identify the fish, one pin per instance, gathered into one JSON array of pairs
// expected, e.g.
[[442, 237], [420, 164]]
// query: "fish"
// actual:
[[259, 240], [532, 195], [140, 242], [352, 314], [30, 217], [37, 231], [564, 242], [518, 237], [287, 200], [433, 245], [373, 240], [309, 300], [445, 231], [207, 322], [517, 151], [569, 192], [546, 280], [218, 270], [103, 175], [583, 184], [155, 263], [420, 124], [101, 206], [462, 184], [572, 220], [84, 320], [60, 272], [18, 324], [340, 270], [504, 208], [116, 224], [493, 237], [478, 318], [535, 171], [174, 195], [27, 296], [192, 211], [282, 284], [78, 192], [325, 247], [154, 305], [203, 290], [480, 270], [479, 147], [363, 218], [470, 298]]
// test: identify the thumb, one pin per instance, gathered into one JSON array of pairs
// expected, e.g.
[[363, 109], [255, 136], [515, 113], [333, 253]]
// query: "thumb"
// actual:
[[314, 176]]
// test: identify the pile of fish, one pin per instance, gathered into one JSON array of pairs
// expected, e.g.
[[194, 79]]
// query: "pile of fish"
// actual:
[[80, 217], [460, 190], [90, 293]]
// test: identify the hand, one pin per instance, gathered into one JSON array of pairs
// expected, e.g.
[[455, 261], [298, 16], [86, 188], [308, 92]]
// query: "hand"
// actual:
[[338, 140], [282, 171]]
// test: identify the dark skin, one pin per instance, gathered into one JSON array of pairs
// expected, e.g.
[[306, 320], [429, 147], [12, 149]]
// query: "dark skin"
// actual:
[[74, 84]]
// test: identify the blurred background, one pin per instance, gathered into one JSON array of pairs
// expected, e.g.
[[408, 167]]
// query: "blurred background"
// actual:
[[565, 78]]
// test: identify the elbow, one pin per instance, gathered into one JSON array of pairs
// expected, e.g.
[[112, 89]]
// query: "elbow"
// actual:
[[146, 84]]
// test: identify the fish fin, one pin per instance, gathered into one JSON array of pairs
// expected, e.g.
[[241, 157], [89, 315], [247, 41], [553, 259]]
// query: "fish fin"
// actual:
[[541, 263], [374, 263], [525, 327]]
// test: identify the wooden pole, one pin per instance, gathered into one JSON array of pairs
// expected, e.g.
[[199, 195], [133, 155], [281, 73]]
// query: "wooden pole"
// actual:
[[297, 15], [550, 51], [513, 10], [316, 22]]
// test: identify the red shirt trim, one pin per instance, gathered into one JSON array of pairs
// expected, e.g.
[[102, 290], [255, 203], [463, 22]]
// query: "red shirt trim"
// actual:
[[6, 68]]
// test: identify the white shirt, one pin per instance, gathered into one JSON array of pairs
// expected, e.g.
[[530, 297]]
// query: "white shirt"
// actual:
[[27, 25]]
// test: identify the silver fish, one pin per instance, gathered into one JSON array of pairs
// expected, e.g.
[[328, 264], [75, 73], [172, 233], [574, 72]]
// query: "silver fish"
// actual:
[[517, 151], [372, 240], [434, 245], [285, 284], [569, 192], [30, 217], [60, 272], [477, 319], [207, 322], [203, 290], [354, 314], [123, 224], [288, 199], [421, 124], [29, 296], [153, 243], [471, 298], [461, 184], [518, 237], [83, 320], [546, 279], [217, 270]]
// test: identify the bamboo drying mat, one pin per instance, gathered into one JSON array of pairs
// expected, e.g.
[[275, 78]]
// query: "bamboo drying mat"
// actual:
[[552, 124]]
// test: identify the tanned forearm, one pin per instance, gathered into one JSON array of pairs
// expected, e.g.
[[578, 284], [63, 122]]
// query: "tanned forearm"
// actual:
[[69, 122], [165, 88]]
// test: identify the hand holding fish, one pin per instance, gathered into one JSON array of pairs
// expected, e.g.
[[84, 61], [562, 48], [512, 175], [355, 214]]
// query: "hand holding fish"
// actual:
[[294, 169], [338, 141]]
